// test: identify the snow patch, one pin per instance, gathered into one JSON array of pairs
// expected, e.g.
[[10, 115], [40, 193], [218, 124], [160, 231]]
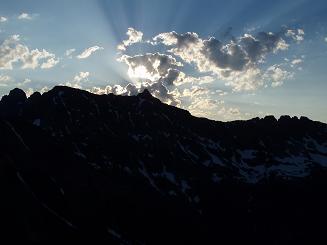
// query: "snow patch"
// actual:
[[37, 122]]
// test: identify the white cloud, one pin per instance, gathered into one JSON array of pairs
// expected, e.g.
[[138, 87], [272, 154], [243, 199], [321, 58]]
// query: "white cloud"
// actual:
[[32, 58], [24, 16], [116, 89], [78, 79], [201, 106], [215, 109], [247, 80], [134, 36], [27, 80], [44, 89], [50, 63], [4, 79], [202, 102], [81, 76], [277, 75], [184, 79], [12, 51], [194, 91], [3, 19], [69, 52], [297, 35], [231, 113], [24, 82], [296, 61], [87, 52], [326, 39], [29, 92]]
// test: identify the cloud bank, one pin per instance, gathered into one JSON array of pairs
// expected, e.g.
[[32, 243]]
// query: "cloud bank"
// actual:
[[13, 51]]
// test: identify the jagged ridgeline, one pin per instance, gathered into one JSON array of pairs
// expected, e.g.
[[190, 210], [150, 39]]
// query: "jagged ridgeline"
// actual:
[[76, 166]]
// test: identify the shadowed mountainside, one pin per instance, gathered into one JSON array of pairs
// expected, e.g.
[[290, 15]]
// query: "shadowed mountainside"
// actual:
[[76, 166]]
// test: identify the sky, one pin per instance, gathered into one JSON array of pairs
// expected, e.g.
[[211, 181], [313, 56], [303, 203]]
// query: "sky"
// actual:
[[224, 60]]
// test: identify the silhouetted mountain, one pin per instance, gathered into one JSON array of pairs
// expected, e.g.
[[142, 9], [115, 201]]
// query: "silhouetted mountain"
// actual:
[[76, 166]]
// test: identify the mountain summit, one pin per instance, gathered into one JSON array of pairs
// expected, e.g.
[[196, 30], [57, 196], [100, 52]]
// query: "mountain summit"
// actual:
[[76, 166]]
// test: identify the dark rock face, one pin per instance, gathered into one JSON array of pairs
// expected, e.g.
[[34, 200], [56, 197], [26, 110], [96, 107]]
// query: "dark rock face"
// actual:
[[75, 166]]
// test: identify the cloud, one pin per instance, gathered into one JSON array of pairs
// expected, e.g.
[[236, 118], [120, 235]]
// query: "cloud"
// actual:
[[194, 91], [24, 16], [69, 52], [78, 79], [200, 105], [212, 55], [257, 47], [3, 19], [296, 63], [277, 75], [205, 106], [134, 36], [326, 39], [152, 67], [12, 51], [247, 80], [24, 82], [81, 76], [203, 102], [30, 91], [159, 73], [241, 63], [235, 62], [158, 90], [296, 35], [4, 79], [87, 52], [50, 63], [44, 89], [31, 59], [116, 89]]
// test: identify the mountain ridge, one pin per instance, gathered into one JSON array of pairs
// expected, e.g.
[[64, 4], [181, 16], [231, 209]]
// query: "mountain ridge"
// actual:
[[17, 92]]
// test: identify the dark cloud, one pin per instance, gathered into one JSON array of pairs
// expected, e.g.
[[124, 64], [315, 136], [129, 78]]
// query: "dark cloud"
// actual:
[[235, 55], [171, 77], [160, 91], [230, 56]]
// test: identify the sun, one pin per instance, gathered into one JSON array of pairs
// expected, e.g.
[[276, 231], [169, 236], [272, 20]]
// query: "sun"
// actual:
[[141, 72]]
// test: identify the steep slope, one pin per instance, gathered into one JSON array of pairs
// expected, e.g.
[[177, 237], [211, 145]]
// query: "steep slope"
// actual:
[[79, 166]]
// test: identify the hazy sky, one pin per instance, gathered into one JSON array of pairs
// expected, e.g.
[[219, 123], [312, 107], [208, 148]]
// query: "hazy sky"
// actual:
[[224, 60]]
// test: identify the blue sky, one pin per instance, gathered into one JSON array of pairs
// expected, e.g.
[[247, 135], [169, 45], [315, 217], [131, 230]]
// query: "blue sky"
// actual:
[[224, 60]]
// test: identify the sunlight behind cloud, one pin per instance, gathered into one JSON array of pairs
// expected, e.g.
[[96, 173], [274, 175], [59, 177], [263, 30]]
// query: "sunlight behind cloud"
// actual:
[[141, 72]]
